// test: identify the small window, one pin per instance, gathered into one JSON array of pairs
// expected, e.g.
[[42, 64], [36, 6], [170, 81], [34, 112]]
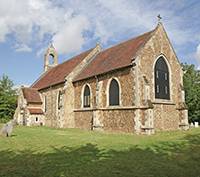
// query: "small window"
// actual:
[[36, 119], [114, 93], [59, 100], [86, 97], [45, 103]]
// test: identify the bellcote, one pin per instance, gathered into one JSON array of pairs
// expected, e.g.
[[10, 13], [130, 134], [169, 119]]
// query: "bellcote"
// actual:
[[50, 58]]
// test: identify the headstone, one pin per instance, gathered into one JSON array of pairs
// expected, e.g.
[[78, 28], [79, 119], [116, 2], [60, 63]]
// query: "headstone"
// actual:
[[191, 124], [196, 124], [8, 128]]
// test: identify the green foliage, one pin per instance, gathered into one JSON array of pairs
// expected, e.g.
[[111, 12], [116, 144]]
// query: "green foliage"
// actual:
[[42, 152], [8, 99], [191, 81]]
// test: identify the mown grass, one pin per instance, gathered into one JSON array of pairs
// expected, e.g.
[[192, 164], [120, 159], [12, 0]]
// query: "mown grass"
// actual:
[[41, 151]]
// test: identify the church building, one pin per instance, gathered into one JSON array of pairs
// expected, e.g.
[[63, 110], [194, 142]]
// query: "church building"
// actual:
[[134, 87]]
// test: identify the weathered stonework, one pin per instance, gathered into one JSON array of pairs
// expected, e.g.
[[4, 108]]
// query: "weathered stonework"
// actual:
[[119, 118], [166, 115], [53, 115]]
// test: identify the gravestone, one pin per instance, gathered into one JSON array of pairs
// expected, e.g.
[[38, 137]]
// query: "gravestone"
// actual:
[[196, 124], [8, 128]]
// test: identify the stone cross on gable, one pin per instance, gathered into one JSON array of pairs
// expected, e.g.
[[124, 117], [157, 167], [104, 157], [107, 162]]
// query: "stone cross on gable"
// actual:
[[159, 18]]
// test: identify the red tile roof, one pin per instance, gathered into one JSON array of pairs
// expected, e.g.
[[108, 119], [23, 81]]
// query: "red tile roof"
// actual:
[[31, 95], [57, 74], [35, 111], [113, 58]]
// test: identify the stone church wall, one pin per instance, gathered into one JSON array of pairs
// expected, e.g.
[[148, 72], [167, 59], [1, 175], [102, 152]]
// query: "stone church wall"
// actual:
[[35, 120], [165, 114], [83, 119], [52, 114], [166, 117], [117, 118]]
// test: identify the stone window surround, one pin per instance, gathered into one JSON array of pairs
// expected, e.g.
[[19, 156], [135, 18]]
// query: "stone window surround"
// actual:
[[107, 92], [82, 96], [157, 100]]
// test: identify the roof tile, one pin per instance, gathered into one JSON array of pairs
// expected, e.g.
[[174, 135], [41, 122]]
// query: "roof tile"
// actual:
[[31, 95]]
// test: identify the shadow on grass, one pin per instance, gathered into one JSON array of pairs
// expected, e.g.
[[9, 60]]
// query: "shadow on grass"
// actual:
[[160, 160]]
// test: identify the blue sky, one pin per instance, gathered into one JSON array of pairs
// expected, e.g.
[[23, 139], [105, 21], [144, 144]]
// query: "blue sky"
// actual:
[[27, 28]]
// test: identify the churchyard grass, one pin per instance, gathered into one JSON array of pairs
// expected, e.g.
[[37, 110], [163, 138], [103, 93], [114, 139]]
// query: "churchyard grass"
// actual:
[[42, 151]]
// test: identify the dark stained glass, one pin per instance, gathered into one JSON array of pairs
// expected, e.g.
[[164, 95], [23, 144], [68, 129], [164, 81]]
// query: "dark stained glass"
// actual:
[[86, 98], [161, 74], [114, 93]]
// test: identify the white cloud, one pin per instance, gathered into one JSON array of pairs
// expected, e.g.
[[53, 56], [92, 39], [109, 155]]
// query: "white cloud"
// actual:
[[34, 23], [70, 37], [29, 22], [22, 48]]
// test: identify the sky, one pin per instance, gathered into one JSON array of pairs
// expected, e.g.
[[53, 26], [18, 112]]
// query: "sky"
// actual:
[[27, 27]]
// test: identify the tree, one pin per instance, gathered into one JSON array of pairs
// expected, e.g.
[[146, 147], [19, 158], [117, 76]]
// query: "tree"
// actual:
[[8, 99], [191, 82]]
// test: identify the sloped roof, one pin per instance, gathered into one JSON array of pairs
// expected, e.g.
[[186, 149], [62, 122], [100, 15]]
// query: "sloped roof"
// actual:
[[31, 95], [35, 111], [56, 75], [113, 58]]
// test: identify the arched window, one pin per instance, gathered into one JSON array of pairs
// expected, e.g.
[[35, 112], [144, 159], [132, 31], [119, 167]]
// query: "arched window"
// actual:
[[161, 74], [59, 99], [86, 97], [114, 93]]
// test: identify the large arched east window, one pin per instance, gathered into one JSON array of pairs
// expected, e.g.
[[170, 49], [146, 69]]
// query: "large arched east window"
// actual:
[[86, 97], [114, 93], [161, 73]]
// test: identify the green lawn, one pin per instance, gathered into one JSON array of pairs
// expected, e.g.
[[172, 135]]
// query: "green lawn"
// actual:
[[41, 151]]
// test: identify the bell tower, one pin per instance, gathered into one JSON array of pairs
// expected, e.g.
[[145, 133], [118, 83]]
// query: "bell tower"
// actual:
[[50, 58]]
